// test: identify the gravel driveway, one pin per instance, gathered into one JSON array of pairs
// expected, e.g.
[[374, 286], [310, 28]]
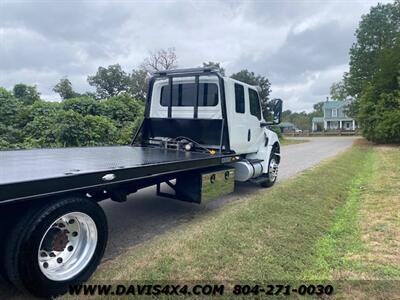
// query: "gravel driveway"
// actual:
[[145, 215]]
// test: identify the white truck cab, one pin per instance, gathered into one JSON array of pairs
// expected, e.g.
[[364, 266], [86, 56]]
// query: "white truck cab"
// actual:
[[203, 105]]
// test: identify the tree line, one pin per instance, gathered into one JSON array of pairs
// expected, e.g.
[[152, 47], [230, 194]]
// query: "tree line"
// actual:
[[30, 122], [109, 115], [303, 119], [372, 84]]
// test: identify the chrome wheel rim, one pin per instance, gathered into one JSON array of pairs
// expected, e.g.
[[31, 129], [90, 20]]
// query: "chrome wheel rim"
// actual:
[[272, 170], [67, 246]]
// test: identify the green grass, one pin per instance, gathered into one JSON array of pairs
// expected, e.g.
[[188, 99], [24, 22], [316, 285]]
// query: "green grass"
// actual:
[[317, 226], [364, 241], [288, 141], [344, 233]]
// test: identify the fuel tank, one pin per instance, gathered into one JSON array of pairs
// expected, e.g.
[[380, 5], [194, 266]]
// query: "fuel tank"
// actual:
[[245, 169]]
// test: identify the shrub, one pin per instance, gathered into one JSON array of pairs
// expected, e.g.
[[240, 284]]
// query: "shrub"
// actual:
[[122, 108], [380, 118], [84, 105]]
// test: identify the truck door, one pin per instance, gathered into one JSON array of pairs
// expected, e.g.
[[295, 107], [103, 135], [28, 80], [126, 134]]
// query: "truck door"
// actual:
[[255, 133]]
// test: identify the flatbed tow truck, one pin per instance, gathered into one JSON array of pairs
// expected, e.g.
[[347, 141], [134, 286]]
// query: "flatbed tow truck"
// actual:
[[201, 133]]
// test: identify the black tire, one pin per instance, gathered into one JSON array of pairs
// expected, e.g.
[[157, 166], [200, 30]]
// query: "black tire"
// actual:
[[21, 252], [268, 182], [3, 237], [7, 217]]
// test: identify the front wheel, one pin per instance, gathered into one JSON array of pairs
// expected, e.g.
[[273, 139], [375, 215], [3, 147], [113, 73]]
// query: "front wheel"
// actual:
[[272, 175], [56, 245]]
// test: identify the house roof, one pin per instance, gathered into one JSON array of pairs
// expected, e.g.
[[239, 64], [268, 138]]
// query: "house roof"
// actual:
[[334, 104], [318, 119]]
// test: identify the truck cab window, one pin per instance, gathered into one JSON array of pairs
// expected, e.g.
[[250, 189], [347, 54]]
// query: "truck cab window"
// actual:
[[239, 98], [184, 94], [255, 108]]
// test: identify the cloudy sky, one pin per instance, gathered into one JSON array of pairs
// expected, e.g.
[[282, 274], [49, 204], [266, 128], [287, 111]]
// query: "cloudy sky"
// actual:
[[301, 46]]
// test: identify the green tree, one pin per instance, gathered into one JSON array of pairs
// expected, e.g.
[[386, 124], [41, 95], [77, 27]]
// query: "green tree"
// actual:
[[338, 91], [373, 78], [260, 81], [302, 120], [42, 131], [80, 121], [138, 84], [26, 93], [214, 65], [377, 30], [110, 81], [9, 107], [16, 114], [286, 115], [99, 131], [128, 130], [379, 104], [83, 105], [10, 137], [70, 130], [64, 89], [318, 109], [122, 108], [40, 108]]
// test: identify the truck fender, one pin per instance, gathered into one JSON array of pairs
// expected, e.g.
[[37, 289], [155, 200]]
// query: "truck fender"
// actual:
[[265, 146]]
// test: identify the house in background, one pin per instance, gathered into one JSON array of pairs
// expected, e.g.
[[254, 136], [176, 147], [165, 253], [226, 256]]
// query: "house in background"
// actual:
[[334, 117], [287, 127]]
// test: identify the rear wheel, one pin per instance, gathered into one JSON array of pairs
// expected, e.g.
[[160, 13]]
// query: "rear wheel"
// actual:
[[272, 175], [4, 221], [56, 245]]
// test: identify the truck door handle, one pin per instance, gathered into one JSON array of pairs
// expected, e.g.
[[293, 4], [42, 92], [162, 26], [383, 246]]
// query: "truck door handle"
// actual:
[[249, 135]]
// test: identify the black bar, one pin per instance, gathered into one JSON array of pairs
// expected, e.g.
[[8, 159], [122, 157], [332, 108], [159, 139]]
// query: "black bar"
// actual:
[[148, 97], [158, 188], [179, 94], [170, 184], [186, 71], [196, 105], [170, 98], [187, 75], [137, 133], [224, 115], [205, 94], [221, 142]]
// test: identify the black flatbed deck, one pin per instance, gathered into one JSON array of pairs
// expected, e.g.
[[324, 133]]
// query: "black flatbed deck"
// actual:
[[40, 172]]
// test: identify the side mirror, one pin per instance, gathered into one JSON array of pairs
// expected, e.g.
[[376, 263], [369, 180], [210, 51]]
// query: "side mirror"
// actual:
[[273, 113], [276, 107]]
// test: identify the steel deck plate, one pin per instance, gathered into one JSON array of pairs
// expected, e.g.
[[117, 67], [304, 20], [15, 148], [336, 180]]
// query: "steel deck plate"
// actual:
[[28, 165], [31, 173]]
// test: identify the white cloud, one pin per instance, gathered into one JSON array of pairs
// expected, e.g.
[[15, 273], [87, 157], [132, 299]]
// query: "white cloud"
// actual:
[[301, 46], [311, 87]]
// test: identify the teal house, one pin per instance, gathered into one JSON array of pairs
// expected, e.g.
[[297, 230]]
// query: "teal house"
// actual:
[[334, 118]]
